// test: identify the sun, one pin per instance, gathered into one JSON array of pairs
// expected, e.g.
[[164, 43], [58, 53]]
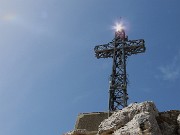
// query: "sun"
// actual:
[[119, 27]]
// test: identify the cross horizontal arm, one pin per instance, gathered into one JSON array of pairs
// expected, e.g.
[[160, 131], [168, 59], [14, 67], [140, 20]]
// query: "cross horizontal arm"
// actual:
[[104, 51], [134, 47], [130, 47]]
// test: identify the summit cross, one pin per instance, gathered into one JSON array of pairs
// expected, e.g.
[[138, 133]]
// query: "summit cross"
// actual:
[[119, 49]]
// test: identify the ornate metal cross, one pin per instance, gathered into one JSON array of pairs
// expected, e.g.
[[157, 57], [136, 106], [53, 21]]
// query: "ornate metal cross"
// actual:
[[119, 49]]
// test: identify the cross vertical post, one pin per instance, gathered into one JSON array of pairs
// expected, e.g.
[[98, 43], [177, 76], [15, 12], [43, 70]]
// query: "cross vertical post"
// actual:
[[119, 49]]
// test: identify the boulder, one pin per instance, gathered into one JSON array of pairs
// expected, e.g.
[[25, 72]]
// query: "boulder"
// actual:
[[122, 117], [142, 124]]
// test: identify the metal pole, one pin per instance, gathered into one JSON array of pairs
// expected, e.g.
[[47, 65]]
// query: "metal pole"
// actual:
[[124, 87]]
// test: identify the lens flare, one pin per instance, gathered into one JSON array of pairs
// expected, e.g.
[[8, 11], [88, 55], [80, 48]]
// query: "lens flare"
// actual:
[[9, 17], [118, 27]]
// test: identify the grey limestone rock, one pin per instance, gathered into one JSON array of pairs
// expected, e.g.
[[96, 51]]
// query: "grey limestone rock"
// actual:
[[122, 117], [178, 121], [142, 124], [168, 122]]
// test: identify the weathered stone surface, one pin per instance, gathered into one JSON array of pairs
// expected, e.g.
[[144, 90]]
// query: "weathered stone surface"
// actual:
[[122, 117], [142, 124], [178, 121], [167, 122]]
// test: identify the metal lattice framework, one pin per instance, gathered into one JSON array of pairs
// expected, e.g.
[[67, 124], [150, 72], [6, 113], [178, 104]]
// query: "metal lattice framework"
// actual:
[[119, 49]]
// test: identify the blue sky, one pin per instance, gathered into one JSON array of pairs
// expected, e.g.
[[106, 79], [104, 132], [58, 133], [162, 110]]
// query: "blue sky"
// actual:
[[49, 72]]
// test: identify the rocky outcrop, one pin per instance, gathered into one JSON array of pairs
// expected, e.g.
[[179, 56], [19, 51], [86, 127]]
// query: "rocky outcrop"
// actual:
[[130, 118], [136, 119], [142, 124], [168, 122], [178, 121]]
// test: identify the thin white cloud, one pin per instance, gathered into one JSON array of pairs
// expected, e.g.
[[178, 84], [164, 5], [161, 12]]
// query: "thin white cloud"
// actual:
[[171, 71]]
